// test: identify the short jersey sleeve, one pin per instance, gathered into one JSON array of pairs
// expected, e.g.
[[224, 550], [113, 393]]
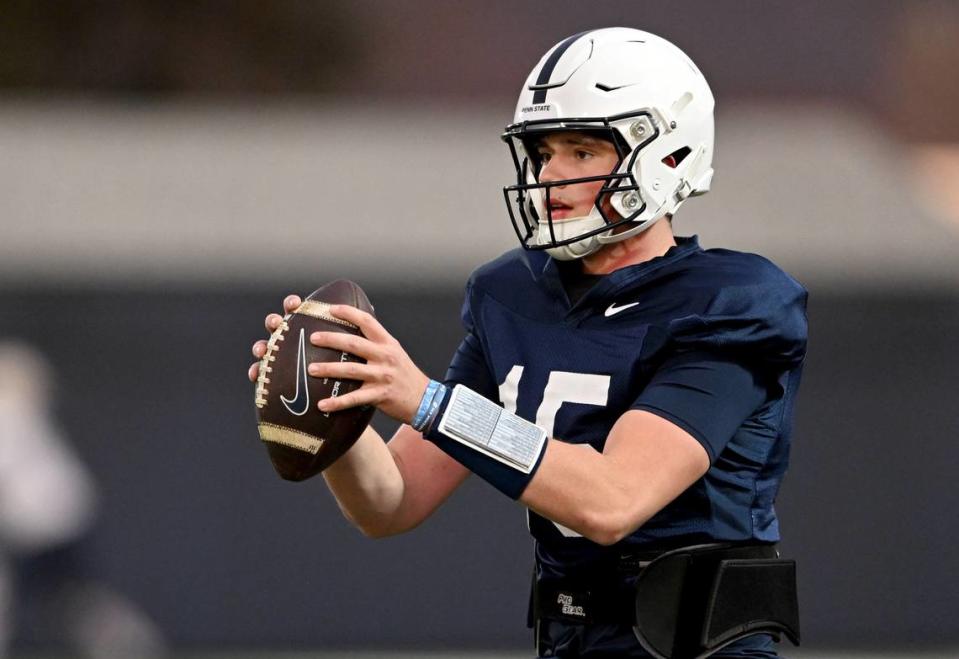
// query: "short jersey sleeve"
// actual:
[[469, 365], [761, 321], [705, 394]]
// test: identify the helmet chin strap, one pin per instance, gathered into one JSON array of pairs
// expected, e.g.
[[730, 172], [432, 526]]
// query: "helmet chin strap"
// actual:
[[567, 229], [578, 225]]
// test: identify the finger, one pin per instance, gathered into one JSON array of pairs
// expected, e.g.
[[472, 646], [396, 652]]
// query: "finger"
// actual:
[[368, 324], [291, 302], [355, 345], [273, 321], [254, 371], [259, 349], [344, 371], [362, 396]]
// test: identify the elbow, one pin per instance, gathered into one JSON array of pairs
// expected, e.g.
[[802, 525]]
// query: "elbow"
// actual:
[[379, 529], [608, 538], [369, 527], [607, 527], [375, 532], [604, 530], [372, 524], [607, 535]]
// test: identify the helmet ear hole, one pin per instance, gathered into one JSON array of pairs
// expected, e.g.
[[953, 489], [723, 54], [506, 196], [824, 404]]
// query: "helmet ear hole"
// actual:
[[676, 157]]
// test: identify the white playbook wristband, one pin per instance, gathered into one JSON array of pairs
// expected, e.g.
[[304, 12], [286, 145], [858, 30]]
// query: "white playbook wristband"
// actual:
[[484, 426]]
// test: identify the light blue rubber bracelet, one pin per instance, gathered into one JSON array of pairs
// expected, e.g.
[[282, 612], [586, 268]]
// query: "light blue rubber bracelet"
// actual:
[[438, 397], [422, 412]]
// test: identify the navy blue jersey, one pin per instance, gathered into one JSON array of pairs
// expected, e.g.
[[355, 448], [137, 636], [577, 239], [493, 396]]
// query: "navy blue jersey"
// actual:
[[712, 340]]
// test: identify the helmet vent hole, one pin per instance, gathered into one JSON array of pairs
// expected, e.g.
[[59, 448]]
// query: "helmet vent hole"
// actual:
[[680, 103], [676, 157]]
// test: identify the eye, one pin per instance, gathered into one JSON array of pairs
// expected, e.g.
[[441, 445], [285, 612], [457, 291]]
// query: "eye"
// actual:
[[544, 157], [583, 155]]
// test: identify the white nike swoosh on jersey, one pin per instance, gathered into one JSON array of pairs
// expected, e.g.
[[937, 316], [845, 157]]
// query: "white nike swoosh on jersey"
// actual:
[[289, 403], [613, 309]]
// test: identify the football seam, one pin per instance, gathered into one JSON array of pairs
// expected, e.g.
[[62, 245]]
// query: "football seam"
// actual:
[[269, 357], [321, 310]]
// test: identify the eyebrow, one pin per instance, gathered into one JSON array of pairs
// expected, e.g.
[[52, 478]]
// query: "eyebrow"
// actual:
[[575, 140]]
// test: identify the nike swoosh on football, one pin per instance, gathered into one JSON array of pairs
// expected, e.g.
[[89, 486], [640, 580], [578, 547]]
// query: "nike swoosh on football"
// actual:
[[300, 403], [613, 309]]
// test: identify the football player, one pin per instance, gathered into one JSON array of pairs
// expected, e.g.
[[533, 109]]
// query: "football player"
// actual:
[[632, 389]]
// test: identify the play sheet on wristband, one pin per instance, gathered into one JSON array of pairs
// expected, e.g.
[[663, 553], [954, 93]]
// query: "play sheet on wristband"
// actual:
[[486, 427]]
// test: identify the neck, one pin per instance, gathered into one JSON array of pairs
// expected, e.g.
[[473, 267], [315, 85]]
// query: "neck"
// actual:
[[649, 244]]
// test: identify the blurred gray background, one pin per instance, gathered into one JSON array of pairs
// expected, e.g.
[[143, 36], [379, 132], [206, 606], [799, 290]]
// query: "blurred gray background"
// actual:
[[170, 170]]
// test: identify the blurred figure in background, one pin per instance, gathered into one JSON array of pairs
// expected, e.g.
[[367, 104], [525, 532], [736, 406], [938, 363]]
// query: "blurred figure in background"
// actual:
[[47, 506]]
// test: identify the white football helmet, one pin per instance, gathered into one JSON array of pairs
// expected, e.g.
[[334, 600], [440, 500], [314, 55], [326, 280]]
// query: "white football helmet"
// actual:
[[634, 89]]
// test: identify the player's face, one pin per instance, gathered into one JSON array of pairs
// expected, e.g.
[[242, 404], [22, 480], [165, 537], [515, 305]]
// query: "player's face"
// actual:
[[570, 154]]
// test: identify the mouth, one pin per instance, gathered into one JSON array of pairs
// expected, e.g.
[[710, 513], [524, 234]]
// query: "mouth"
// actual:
[[559, 210]]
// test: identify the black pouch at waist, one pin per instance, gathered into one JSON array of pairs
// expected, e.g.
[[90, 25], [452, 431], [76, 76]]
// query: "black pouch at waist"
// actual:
[[580, 605], [690, 602], [603, 594]]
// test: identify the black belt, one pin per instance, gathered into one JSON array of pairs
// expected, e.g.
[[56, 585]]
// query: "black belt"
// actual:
[[605, 595], [688, 602]]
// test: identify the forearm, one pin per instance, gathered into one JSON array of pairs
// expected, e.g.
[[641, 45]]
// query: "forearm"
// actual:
[[576, 486], [367, 484], [646, 463], [385, 489]]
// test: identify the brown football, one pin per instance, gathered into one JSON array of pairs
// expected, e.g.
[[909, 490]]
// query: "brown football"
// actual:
[[302, 440]]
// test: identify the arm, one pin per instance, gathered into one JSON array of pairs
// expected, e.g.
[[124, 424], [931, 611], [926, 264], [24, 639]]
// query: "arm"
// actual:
[[386, 489], [682, 420], [647, 462], [383, 489]]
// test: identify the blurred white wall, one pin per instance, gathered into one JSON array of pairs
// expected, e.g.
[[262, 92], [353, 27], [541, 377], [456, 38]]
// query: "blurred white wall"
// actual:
[[194, 194]]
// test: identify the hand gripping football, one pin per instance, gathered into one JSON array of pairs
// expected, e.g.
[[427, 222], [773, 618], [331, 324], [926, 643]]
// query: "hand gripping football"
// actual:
[[301, 439]]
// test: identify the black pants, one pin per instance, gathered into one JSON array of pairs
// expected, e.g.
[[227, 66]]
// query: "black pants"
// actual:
[[562, 639]]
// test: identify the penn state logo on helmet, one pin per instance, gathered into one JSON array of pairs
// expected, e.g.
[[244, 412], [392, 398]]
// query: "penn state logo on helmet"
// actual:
[[639, 92]]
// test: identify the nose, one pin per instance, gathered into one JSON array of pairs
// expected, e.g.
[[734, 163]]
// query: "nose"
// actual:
[[552, 171]]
